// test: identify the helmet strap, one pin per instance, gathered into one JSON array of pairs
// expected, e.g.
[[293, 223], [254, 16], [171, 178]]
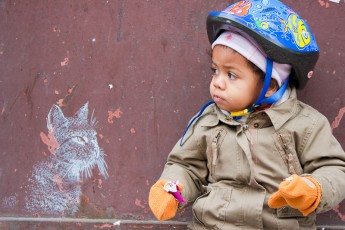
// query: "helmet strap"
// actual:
[[267, 82], [277, 95], [262, 100], [194, 118]]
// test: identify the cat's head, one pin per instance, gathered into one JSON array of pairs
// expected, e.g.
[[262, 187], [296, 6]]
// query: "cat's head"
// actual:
[[78, 152]]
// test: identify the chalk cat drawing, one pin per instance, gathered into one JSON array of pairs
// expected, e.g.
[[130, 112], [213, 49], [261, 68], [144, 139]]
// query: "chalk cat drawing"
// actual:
[[56, 181]]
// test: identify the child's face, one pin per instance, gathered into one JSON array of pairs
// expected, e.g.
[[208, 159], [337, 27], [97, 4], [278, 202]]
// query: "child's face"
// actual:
[[234, 86]]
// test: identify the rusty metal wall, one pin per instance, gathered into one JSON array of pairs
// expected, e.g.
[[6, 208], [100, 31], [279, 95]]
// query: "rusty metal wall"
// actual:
[[121, 78]]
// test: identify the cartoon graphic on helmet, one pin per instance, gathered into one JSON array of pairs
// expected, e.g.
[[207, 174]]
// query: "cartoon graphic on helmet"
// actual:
[[299, 30], [281, 33], [241, 8], [261, 16]]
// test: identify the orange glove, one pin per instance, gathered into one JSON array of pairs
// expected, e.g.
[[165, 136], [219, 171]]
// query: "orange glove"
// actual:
[[302, 193], [164, 197]]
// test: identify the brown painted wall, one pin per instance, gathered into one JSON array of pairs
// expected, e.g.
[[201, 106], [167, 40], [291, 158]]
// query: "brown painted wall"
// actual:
[[143, 68]]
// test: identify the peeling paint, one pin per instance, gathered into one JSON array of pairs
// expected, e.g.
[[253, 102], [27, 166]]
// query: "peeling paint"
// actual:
[[65, 62], [117, 114], [50, 141], [56, 29], [324, 3], [338, 118], [103, 226], [138, 203]]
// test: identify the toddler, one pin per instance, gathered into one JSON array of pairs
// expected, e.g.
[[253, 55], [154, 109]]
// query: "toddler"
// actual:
[[255, 157]]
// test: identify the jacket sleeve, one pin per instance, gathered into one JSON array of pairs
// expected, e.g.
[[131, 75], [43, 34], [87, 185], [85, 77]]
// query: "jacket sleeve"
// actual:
[[188, 165], [324, 158]]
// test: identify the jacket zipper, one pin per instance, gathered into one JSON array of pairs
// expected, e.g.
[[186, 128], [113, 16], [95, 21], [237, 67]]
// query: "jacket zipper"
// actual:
[[289, 155]]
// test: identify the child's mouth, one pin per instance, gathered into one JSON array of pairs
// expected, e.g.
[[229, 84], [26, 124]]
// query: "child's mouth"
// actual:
[[217, 98]]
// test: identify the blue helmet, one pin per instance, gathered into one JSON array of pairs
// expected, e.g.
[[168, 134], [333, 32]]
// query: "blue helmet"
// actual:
[[281, 33]]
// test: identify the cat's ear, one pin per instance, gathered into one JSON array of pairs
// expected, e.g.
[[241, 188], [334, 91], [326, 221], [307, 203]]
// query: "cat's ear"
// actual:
[[82, 112], [55, 117]]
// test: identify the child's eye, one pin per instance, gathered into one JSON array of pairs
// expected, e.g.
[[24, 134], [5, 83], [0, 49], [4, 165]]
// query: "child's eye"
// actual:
[[214, 71], [232, 76]]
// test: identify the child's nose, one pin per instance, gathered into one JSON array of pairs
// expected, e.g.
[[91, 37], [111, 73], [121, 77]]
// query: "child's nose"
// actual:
[[219, 81]]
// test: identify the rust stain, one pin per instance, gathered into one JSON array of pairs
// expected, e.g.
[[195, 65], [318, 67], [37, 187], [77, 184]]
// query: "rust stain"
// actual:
[[117, 114], [338, 118]]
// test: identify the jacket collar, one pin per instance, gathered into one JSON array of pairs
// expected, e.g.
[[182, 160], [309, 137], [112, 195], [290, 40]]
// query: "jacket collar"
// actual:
[[212, 118], [279, 115], [215, 115]]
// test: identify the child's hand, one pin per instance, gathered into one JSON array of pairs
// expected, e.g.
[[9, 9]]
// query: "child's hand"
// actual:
[[302, 193], [164, 198]]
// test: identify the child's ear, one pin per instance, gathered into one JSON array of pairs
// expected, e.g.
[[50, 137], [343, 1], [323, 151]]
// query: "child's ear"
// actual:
[[273, 88]]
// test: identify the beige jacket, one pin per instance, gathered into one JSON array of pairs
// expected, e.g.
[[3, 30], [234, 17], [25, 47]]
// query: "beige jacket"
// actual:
[[229, 169]]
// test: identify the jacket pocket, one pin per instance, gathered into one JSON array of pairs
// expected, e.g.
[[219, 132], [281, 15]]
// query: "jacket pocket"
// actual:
[[213, 151], [294, 219], [286, 146], [288, 212], [210, 208]]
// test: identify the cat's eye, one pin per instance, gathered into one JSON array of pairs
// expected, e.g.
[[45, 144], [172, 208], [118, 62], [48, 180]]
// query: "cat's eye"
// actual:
[[80, 140]]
